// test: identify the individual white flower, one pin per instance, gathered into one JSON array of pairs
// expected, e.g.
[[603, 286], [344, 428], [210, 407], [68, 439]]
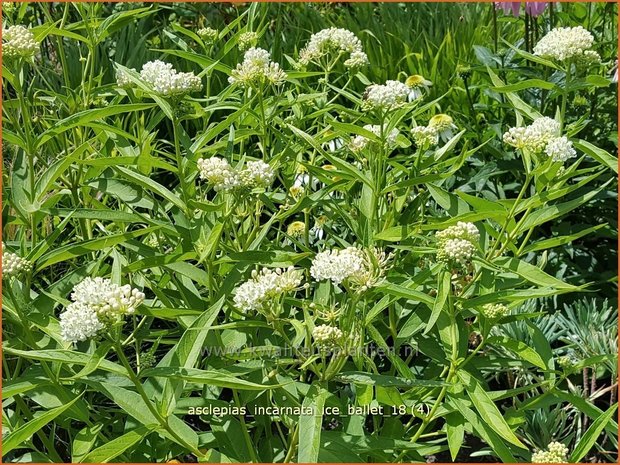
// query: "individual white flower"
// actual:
[[257, 174], [386, 97], [444, 125], [457, 244], [256, 69], [333, 41], [265, 287], [218, 173], [247, 40], [326, 336], [493, 311], [165, 80], [317, 232], [208, 34], [565, 43], [13, 265], [556, 453], [560, 149], [334, 144], [417, 84], [18, 42], [425, 136], [79, 322]]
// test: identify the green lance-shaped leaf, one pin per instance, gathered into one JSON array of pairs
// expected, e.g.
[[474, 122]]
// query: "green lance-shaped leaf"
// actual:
[[443, 290], [310, 427], [520, 348], [591, 435], [487, 409], [22, 434], [116, 447]]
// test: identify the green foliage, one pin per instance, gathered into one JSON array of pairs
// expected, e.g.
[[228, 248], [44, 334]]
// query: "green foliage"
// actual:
[[467, 310]]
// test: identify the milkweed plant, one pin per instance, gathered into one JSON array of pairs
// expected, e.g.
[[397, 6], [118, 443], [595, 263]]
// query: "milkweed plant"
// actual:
[[231, 235]]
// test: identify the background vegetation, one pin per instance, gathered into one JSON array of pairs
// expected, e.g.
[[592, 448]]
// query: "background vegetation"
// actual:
[[90, 188]]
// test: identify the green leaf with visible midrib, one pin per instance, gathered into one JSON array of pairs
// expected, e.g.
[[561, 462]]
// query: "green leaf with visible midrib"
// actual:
[[591, 435], [520, 348], [487, 409], [117, 446], [207, 377], [70, 251], [310, 427]]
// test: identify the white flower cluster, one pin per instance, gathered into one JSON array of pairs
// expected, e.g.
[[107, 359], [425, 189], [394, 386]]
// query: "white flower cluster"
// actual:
[[266, 286], [560, 149], [97, 302], [337, 265], [387, 97], [359, 143], [256, 69], [543, 135], [224, 177], [257, 174], [326, 336], [493, 311], [208, 34], [122, 78], [18, 42], [363, 269], [556, 453], [334, 40], [457, 244], [13, 265], [567, 43], [165, 80], [247, 40], [218, 173], [425, 136]]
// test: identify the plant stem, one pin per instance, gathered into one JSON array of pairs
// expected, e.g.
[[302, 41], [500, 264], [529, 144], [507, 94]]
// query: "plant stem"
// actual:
[[162, 421]]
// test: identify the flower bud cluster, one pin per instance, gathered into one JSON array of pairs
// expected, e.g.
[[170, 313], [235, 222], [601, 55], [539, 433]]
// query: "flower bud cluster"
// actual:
[[556, 453], [265, 287], [386, 97], [257, 69], [18, 42], [13, 265], [165, 80], [223, 177], [359, 143], [457, 244], [494, 311], [327, 337], [334, 41]]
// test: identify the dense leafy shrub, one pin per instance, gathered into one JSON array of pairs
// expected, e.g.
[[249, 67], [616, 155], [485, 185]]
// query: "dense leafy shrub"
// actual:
[[309, 232]]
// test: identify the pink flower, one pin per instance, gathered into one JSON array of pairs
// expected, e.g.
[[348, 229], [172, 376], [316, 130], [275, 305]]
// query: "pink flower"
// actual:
[[531, 8], [535, 8], [507, 6]]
